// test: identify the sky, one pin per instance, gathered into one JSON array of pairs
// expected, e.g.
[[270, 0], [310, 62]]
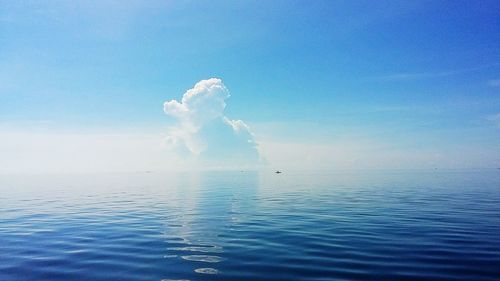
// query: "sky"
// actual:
[[298, 85]]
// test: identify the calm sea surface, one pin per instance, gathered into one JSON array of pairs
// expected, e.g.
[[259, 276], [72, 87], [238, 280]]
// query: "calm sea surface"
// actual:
[[418, 225]]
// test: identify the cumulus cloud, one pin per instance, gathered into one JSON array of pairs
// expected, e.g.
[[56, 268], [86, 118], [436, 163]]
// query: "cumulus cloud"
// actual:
[[202, 132]]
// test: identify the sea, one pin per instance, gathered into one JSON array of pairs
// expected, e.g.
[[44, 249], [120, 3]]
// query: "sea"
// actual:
[[252, 225]]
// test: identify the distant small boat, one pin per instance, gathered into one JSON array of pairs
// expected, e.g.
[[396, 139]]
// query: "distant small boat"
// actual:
[[278, 172]]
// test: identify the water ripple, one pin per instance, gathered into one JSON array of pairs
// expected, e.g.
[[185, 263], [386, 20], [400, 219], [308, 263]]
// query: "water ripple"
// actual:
[[206, 270], [203, 258], [252, 226]]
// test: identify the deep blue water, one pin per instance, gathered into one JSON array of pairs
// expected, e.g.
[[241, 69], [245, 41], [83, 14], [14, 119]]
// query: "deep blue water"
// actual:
[[391, 225]]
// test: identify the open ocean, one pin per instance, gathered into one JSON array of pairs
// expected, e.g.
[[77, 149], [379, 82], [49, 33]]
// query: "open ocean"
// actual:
[[363, 225]]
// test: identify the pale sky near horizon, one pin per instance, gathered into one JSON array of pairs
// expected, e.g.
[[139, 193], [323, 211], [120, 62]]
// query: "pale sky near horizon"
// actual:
[[317, 84]]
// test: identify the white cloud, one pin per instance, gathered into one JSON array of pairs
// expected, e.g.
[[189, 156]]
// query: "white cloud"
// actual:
[[407, 76], [203, 134]]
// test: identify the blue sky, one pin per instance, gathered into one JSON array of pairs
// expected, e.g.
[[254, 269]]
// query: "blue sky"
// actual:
[[366, 83]]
